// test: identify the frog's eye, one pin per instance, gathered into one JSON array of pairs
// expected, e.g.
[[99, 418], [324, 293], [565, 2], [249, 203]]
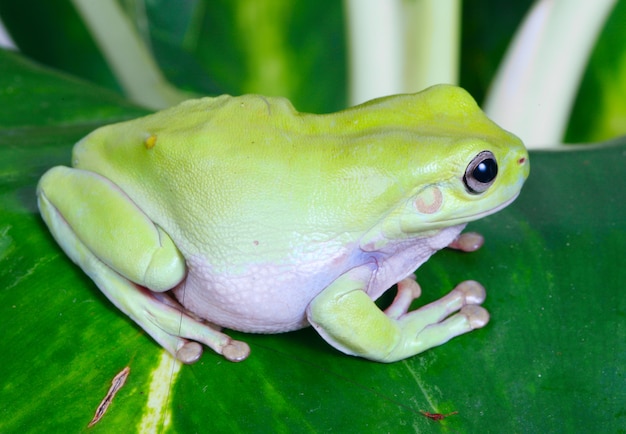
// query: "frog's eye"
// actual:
[[480, 173]]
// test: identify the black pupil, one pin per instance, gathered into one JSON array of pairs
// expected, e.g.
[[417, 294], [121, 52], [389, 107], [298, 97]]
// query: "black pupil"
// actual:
[[486, 171]]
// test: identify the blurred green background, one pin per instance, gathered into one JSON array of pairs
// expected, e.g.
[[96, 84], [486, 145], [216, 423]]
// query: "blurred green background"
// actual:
[[298, 50]]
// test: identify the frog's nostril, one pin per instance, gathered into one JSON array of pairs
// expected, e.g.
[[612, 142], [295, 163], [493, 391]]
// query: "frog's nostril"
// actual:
[[521, 161]]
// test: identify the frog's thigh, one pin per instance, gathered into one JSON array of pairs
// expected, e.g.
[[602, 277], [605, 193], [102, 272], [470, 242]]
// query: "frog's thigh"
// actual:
[[155, 313], [111, 226], [349, 320]]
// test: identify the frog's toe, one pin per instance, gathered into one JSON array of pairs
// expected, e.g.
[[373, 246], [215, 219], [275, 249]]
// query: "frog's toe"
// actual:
[[467, 242], [471, 292], [465, 293], [469, 318], [189, 352], [177, 330], [197, 330], [408, 290], [477, 316], [455, 314], [236, 351]]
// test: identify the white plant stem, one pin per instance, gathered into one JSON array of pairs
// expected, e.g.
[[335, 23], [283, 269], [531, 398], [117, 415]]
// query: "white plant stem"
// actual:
[[401, 46], [534, 90], [5, 38], [128, 57]]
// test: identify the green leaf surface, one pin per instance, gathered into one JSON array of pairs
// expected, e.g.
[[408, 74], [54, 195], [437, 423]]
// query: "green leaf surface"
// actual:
[[552, 358]]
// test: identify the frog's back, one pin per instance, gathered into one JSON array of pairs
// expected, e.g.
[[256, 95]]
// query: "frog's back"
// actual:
[[236, 156], [253, 163]]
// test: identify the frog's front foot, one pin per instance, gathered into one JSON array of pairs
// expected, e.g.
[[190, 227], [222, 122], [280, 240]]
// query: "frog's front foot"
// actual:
[[436, 323], [349, 320]]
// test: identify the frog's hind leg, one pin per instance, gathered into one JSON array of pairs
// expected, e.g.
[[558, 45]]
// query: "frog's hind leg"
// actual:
[[163, 318], [128, 257], [192, 327]]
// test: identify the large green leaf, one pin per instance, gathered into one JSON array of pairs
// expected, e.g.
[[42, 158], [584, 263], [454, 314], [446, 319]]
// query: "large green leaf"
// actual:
[[551, 360]]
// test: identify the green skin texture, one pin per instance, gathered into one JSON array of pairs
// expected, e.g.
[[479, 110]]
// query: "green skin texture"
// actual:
[[263, 219]]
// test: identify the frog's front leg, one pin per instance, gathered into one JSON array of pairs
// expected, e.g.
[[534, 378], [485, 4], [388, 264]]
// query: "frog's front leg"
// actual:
[[128, 257], [348, 319]]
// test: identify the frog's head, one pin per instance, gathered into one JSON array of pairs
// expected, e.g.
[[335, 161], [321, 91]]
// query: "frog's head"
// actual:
[[474, 167], [472, 178], [453, 164]]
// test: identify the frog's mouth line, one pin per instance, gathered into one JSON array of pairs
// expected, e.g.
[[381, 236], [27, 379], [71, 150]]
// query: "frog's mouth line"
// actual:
[[479, 215], [496, 209]]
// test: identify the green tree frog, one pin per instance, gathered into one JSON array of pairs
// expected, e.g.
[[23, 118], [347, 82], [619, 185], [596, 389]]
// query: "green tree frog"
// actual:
[[241, 212]]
